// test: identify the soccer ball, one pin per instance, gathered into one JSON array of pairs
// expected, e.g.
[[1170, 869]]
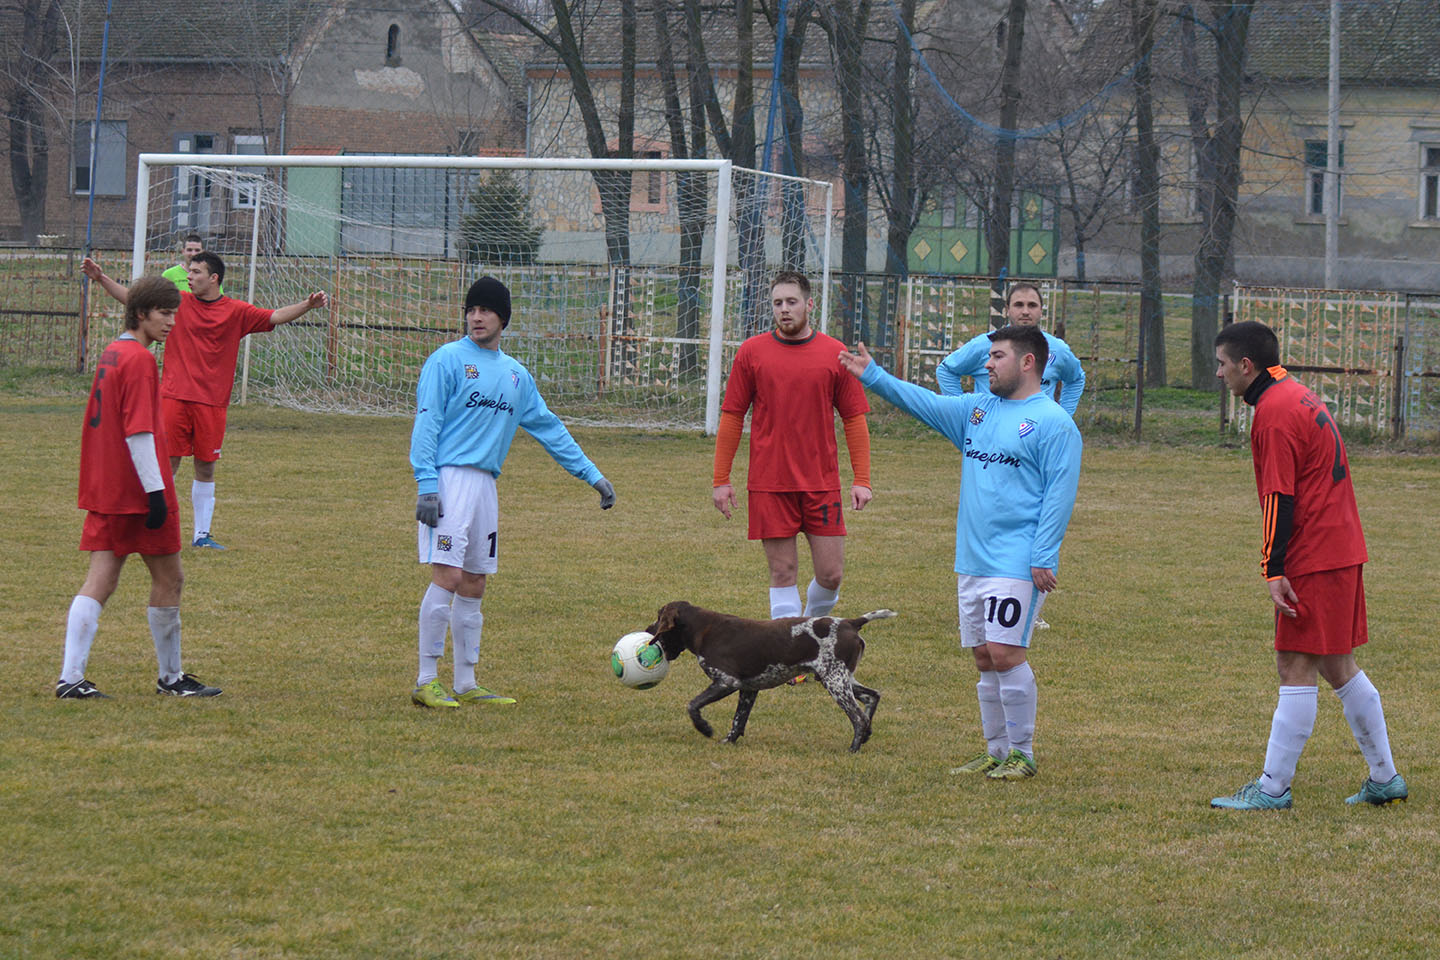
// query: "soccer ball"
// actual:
[[638, 662]]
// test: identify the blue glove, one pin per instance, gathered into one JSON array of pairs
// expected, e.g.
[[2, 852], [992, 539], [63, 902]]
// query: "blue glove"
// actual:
[[155, 518], [607, 493], [427, 509]]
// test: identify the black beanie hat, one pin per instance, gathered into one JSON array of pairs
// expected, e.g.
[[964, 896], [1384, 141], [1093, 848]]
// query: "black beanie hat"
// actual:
[[492, 294]]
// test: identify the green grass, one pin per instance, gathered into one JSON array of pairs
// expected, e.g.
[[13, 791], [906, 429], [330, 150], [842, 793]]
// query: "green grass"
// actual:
[[312, 812]]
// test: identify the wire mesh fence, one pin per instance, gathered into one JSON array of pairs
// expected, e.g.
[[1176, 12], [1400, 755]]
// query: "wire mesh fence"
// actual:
[[1374, 357]]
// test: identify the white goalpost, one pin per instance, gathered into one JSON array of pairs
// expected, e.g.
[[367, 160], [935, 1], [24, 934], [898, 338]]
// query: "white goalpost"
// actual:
[[632, 323]]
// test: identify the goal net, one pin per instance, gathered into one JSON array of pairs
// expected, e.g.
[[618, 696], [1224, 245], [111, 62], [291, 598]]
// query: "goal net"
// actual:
[[627, 307]]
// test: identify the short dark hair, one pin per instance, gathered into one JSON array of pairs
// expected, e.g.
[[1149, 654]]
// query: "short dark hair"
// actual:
[[1250, 338], [792, 276], [146, 294], [1028, 338], [212, 262], [194, 238], [1022, 285]]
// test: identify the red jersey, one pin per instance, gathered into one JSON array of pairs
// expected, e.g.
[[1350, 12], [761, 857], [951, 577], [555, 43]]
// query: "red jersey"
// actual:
[[200, 351], [124, 401], [795, 387], [1298, 453]]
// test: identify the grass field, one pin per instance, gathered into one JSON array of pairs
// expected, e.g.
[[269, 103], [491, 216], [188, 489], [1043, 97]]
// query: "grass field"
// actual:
[[313, 812]]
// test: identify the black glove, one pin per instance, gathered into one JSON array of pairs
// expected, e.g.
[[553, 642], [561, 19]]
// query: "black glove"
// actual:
[[607, 493], [427, 509], [155, 519]]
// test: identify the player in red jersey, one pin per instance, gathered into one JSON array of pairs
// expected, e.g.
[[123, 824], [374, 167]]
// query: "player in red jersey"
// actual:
[[130, 499], [794, 386], [1312, 555], [200, 370]]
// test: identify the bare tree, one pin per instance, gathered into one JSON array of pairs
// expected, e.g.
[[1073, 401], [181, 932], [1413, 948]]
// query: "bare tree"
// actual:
[[1217, 163], [560, 35], [28, 77], [846, 25], [1002, 201], [1144, 15]]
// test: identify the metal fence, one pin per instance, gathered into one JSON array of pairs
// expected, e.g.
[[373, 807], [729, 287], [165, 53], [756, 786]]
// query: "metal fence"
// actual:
[[1374, 357]]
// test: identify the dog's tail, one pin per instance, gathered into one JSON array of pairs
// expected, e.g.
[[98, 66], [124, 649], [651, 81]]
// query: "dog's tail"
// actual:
[[858, 622]]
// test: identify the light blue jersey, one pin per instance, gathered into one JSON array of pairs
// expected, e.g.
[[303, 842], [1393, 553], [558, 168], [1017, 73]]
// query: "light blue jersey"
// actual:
[[469, 402], [1063, 368], [1017, 481]]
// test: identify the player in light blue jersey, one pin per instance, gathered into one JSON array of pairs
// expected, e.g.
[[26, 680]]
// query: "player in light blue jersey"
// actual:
[[1022, 306], [471, 399], [1018, 479]]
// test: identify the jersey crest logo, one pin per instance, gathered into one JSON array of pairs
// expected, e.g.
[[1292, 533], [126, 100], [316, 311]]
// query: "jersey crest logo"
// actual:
[[1027, 427], [472, 372], [443, 542], [977, 416], [514, 379]]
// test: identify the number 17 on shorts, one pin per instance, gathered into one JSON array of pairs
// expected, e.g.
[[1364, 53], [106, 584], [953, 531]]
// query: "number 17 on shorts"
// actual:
[[997, 610]]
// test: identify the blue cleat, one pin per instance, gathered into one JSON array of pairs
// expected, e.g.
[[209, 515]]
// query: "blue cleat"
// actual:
[[1251, 797], [207, 542], [1381, 793]]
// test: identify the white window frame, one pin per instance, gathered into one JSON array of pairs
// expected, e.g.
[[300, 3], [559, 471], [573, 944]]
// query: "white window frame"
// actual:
[[244, 197], [110, 150], [1428, 208]]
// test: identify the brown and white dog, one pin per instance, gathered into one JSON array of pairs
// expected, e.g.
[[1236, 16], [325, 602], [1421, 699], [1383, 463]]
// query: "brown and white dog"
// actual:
[[753, 655]]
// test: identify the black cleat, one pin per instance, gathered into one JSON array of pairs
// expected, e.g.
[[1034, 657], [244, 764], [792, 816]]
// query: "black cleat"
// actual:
[[81, 689], [187, 686]]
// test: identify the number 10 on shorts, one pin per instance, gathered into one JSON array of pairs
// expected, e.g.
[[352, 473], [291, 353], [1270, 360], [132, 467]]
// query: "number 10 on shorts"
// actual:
[[997, 610]]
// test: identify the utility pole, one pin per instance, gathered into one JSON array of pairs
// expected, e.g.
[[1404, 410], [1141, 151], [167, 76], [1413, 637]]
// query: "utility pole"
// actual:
[[1332, 157]]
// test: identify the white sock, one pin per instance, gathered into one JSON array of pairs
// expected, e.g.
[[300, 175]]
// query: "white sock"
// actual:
[[202, 502], [819, 600], [1361, 702], [466, 622], [1019, 696], [434, 621], [165, 630], [80, 629], [992, 714], [784, 602], [1292, 725]]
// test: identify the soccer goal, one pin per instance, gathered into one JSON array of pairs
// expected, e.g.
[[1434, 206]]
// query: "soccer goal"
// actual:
[[632, 281]]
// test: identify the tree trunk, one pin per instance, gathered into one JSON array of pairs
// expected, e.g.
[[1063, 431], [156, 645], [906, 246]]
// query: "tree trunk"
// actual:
[[29, 142], [690, 190], [1147, 182], [1214, 257], [792, 209], [846, 26], [997, 233], [902, 176]]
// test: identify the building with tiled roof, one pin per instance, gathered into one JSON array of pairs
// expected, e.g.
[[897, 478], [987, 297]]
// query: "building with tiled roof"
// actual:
[[256, 76]]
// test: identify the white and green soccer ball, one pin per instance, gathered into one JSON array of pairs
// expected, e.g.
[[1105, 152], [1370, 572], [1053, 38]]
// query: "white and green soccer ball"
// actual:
[[638, 661]]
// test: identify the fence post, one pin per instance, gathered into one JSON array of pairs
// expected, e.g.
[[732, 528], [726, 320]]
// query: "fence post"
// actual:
[[1226, 318], [1397, 414]]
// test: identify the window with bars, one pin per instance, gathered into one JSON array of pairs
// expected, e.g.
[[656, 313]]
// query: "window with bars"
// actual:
[[1316, 159], [1430, 181]]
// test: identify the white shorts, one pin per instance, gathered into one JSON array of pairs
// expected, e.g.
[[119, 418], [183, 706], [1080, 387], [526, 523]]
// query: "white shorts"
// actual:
[[997, 610], [469, 530]]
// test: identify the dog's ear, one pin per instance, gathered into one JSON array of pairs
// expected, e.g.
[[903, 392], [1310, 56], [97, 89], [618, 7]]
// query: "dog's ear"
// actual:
[[666, 620]]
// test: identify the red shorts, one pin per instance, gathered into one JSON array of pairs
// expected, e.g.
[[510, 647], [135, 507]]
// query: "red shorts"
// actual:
[[786, 514], [124, 533], [1330, 615], [193, 429]]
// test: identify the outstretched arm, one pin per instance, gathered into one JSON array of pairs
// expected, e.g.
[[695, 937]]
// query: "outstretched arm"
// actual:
[[116, 289], [297, 310]]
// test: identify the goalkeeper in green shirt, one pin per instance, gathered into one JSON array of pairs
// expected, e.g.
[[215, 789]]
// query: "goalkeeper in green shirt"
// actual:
[[177, 274]]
